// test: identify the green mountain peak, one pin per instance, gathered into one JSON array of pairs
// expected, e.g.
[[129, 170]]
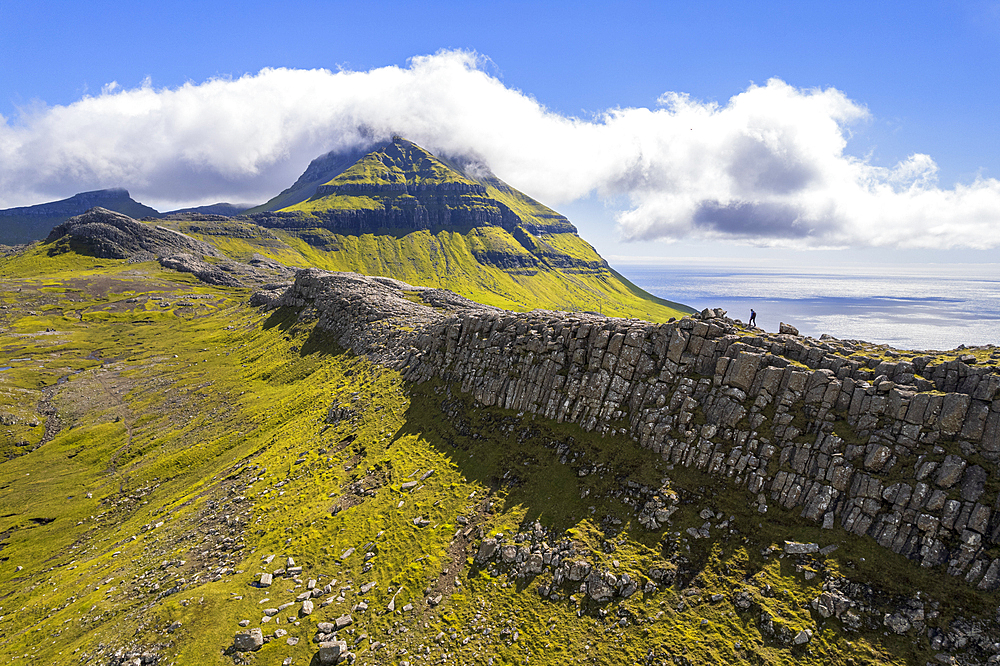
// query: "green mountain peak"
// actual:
[[400, 162], [400, 211]]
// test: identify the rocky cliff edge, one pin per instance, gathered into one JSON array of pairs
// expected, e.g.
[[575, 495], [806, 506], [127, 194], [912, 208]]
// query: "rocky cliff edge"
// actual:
[[904, 451]]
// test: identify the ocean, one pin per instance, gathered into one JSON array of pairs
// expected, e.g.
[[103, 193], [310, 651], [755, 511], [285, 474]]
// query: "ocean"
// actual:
[[909, 307]]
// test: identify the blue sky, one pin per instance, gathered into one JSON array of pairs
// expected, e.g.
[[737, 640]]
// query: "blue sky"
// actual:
[[914, 78]]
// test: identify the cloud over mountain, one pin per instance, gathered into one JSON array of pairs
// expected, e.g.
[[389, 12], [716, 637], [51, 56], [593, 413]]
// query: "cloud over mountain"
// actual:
[[769, 166]]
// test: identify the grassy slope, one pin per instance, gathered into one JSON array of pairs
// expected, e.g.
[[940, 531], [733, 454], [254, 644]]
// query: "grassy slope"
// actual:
[[187, 425], [447, 259], [462, 260]]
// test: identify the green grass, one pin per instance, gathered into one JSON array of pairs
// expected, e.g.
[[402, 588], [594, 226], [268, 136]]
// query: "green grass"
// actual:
[[197, 414], [459, 260], [337, 202], [400, 162]]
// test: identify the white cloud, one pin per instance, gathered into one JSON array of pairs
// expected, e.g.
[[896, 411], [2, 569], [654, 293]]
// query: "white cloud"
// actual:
[[767, 167]]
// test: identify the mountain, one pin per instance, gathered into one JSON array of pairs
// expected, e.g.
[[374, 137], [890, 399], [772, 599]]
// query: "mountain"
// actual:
[[396, 211], [399, 211], [30, 223], [340, 468], [320, 170], [226, 209], [26, 224]]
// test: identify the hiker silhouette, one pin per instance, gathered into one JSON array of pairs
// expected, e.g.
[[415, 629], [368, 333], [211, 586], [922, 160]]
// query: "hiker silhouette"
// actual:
[[753, 318]]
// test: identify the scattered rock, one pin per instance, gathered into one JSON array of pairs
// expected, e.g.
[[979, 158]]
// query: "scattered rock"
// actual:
[[332, 652], [248, 642], [796, 548], [787, 329]]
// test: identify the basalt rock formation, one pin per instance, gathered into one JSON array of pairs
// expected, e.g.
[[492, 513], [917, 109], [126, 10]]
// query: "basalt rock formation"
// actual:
[[905, 451]]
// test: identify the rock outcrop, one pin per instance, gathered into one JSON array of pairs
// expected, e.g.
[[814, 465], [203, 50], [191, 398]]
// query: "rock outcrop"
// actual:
[[106, 234], [110, 235], [901, 451]]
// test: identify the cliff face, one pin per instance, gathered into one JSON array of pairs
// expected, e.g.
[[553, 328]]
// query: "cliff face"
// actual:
[[904, 451], [412, 208], [399, 185]]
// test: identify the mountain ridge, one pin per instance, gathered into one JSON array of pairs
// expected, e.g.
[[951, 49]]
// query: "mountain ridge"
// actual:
[[25, 224]]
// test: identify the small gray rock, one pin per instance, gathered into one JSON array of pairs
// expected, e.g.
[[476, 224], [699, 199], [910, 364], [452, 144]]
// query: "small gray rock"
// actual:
[[796, 548]]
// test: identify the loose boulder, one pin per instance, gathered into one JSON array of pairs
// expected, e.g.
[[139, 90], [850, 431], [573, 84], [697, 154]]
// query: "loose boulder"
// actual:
[[248, 642], [332, 652], [787, 329]]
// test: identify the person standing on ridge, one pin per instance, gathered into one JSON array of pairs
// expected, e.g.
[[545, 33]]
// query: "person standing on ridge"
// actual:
[[753, 318]]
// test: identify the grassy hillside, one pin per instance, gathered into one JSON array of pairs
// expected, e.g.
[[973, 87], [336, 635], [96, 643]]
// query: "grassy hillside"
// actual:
[[452, 260], [164, 444], [320, 170], [500, 246]]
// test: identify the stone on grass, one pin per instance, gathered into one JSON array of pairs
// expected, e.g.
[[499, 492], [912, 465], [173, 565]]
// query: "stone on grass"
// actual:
[[244, 642], [332, 652], [797, 548]]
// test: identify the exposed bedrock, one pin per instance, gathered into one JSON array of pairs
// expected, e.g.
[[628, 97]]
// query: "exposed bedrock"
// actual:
[[110, 235], [106, 234], [904, 452]]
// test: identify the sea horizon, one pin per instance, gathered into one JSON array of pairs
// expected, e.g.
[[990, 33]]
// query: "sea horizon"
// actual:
[[936, 307]]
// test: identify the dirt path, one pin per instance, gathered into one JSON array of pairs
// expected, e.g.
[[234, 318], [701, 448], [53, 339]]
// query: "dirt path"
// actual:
[[46, 408]]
